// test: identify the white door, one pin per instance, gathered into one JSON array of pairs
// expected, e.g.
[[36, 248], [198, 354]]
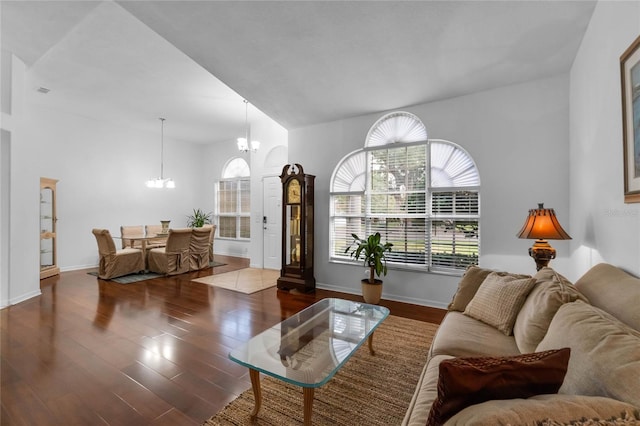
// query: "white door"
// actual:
[[272, 222]]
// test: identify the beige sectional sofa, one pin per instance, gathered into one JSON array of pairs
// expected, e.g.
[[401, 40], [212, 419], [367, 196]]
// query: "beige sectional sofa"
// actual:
[[598, 318]]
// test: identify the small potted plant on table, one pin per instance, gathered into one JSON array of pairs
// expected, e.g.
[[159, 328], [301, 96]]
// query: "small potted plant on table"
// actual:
[[373, 252]]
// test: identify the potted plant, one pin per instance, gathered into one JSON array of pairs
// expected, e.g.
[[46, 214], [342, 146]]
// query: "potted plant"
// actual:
[[373, 252], [198, 218]]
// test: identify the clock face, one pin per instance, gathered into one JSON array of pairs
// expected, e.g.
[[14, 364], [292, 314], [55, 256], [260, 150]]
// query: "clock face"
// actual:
[[293, 192]]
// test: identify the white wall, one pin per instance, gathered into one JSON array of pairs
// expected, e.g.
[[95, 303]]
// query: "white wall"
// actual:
[[272, 136], [23, 277], [102, 168], [518, 136], [5, 173], [6, 99], [604, 228]]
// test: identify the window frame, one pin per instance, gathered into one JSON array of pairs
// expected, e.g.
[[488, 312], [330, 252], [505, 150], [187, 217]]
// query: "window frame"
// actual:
[[366, 217], [240, 193]]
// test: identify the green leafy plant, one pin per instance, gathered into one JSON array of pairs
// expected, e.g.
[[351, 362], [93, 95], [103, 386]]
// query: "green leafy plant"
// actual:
[[373, 252], [198, 218]]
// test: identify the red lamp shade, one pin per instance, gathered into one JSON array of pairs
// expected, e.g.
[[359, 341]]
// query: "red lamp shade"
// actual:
[[542, 225]]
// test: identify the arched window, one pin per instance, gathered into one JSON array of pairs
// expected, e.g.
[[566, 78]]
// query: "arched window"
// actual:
[[233, 201], [422, 195]]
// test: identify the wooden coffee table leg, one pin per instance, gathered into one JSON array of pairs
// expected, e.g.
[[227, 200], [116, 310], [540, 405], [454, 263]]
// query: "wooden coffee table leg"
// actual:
[[308, 405], [257, 392], [371, 351]]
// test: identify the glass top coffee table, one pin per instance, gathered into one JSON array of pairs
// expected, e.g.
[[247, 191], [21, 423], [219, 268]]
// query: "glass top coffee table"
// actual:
[[308, 348]]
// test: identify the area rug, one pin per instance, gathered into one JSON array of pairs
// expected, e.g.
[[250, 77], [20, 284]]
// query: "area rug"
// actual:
[[214, 263], [247, 280], [368, 390], [132, 278]]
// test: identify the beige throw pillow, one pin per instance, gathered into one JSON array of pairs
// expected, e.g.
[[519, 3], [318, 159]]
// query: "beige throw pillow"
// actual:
[[605, 353], [469, 284], [499, 299], [551, 291]]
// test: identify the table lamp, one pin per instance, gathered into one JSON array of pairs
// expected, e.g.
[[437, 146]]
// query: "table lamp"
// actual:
[[542, 225]]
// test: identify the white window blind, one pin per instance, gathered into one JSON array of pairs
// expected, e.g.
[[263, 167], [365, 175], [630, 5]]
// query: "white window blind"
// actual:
[[233, 201], [422, 196]]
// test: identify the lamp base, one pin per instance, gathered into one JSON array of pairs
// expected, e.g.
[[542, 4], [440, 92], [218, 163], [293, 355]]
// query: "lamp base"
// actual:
[[542, 253]]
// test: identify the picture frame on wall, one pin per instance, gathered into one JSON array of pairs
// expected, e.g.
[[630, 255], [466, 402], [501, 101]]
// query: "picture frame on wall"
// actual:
[[630, 80]]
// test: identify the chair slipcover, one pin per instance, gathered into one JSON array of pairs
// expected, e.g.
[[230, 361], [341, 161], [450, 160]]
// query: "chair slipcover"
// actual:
[[199, 248], [151, 230], [174, 257], [116, 263], [213, 233], [131, 231]]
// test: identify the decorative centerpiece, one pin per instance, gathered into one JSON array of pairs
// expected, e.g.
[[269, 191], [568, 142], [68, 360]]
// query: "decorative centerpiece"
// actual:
[[165, 226]]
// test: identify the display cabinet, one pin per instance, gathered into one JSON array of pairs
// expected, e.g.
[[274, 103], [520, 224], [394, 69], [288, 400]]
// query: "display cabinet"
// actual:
[[297, 230], [48, 248]]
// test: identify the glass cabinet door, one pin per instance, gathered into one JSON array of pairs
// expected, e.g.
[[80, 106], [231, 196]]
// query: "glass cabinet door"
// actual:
[[48, 255]]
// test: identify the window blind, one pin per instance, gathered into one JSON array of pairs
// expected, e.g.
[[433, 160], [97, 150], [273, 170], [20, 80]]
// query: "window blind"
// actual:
[[423, 197]]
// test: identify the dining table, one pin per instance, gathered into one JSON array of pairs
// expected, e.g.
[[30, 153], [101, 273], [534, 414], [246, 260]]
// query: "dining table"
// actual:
[[144, 239]]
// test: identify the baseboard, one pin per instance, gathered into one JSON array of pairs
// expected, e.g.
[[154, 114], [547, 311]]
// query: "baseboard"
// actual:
[[26, 296], [77, 267], [386, 296]]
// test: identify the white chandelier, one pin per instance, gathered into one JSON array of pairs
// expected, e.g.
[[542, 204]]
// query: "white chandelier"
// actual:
[[243, 143], [161, 182]]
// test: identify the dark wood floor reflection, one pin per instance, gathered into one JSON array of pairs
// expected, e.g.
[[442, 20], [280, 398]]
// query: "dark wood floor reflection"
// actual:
[[94, 352]]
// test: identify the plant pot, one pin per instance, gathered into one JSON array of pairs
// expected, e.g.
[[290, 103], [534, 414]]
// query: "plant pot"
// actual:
[[372, 292]]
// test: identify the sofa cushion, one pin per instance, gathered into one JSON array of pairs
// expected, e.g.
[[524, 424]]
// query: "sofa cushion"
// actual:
[[541, 408], [625, 419], [605, 353], [469, 284], [613, 290], [551, 291], [426, 392], [467, 381], [499, 299], [460, 335]]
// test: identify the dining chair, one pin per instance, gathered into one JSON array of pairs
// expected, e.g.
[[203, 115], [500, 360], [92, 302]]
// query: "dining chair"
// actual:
[[116, 263], [199, 248], [174, 257], [131, 231], [154, 230], [211, 236]]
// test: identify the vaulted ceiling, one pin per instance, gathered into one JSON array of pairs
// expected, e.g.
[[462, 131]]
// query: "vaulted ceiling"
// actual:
[[299, 62]]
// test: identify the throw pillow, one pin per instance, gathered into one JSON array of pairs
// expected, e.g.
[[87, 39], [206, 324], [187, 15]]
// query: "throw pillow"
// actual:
[[469, 284], [499, 299], [551, 291], [467, 381], [605, 358]]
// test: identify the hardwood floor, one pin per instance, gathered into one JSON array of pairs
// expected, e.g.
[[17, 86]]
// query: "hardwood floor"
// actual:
[[94, 352]]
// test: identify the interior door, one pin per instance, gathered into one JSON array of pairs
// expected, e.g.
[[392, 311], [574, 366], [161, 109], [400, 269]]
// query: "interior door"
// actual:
[[272, 222]]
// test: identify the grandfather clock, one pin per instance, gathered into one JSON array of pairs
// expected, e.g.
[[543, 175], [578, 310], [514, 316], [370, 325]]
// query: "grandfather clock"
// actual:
[[297, 230]]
